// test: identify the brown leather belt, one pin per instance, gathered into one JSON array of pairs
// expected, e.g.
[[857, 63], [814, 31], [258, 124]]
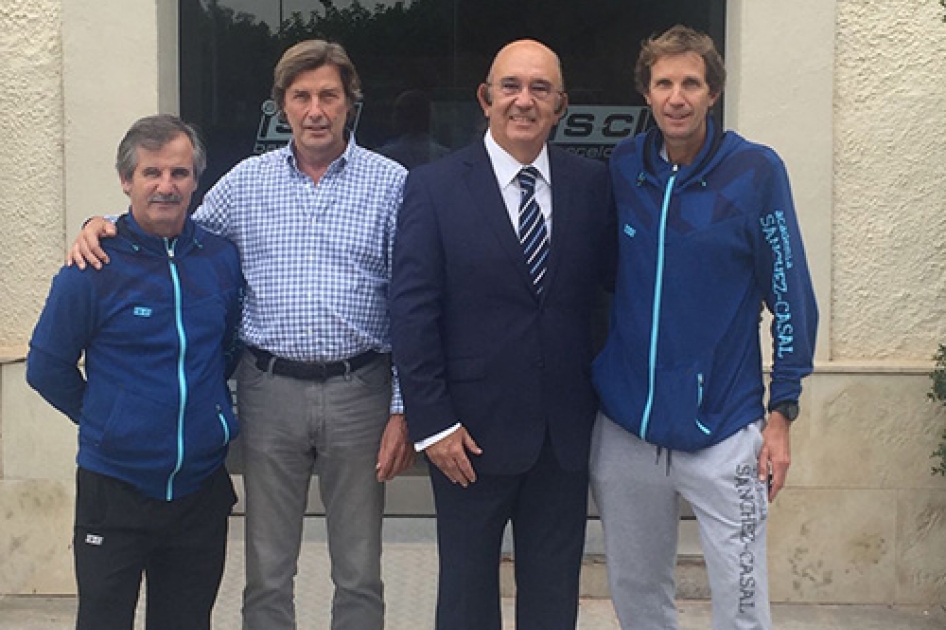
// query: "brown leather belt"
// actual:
[[302, 370]]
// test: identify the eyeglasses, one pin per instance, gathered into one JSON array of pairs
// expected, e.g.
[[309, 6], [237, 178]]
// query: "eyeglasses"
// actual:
[[540, 90]]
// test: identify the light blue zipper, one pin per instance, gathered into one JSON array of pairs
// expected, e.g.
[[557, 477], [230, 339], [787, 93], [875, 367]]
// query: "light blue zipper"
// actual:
[[181, 377], [223, 424], [699, 403], [658, 293]]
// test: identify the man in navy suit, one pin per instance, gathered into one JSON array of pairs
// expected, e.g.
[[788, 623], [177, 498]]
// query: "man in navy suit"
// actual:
[[494, 352]]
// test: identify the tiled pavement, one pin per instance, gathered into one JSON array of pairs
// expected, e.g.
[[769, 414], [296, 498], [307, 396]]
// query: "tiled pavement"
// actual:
[[410, 581]]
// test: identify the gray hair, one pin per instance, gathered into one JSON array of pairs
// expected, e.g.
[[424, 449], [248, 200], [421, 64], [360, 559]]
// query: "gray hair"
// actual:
[[152, 133]]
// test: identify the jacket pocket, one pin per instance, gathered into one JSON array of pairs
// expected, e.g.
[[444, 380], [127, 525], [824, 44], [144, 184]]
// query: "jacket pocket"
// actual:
[[224, 426], [141, 430], [678, 419], [210, 426]]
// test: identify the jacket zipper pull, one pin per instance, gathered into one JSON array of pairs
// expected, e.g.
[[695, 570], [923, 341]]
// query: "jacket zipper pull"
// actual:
[[169, 246]]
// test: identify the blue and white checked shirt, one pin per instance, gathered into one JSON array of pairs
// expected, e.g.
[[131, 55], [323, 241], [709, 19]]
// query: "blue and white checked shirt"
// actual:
[[316, 257]]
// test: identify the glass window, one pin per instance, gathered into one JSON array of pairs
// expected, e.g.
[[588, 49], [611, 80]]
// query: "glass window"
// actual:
[[420, 62]]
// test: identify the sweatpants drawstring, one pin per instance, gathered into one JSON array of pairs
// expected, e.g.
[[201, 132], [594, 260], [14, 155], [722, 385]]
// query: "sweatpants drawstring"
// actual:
[[669, 457]]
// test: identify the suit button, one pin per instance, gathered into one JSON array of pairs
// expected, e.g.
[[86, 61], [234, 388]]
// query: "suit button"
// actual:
[[540, 364]]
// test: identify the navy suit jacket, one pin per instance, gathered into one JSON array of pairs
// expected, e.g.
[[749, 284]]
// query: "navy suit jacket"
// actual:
[[473, 341]]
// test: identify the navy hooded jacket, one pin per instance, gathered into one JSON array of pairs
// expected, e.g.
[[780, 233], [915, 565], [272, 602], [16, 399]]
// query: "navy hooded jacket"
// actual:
[[702, 247]]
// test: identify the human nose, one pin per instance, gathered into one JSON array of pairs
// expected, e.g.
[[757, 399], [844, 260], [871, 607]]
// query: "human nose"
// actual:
[[676, 95], [524, 97], [315, 109], [165, 183]]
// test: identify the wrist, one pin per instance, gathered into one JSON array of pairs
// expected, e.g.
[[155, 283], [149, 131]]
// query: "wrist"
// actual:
[[787, 408]]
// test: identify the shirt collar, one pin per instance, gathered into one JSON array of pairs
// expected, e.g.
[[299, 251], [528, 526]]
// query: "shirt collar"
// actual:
[[340, 162], [507, 167]]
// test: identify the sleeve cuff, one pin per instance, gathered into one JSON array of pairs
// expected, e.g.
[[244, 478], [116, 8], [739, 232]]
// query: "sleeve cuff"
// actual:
[[433, 439]]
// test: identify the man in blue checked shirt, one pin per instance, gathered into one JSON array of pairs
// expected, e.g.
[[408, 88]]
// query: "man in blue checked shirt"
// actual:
[[314, 223]]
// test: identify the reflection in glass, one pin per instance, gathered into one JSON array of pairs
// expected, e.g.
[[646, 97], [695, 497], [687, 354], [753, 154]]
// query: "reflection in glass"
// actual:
[[433, 50], [412, 144]]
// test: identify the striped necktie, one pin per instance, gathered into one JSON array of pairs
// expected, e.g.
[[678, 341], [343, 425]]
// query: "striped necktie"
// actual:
[[532, 232]]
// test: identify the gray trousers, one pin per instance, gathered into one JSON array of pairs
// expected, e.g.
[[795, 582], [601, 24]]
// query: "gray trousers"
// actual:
[[291, 429], [637, 488]]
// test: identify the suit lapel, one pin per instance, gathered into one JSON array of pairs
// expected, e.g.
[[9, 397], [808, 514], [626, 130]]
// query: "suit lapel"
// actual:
[[563, 204], [488, 200]]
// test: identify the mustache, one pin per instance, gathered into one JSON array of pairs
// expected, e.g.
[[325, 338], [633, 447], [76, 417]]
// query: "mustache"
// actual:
[[169, 198]]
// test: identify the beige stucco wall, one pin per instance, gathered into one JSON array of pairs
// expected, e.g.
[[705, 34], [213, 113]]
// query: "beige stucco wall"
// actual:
[[120, 63], [849, 92], [889, 259], [75, 74], [31, 186]]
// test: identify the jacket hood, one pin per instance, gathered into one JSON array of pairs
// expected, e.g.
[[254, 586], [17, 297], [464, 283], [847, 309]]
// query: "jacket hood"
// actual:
[[718, 145]]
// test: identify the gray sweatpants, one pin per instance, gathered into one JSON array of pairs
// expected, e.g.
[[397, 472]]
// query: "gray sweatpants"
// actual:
[[637, 488]]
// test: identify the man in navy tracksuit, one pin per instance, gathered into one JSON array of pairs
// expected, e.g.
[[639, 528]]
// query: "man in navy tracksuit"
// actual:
[[708, 235], [153, 409]]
